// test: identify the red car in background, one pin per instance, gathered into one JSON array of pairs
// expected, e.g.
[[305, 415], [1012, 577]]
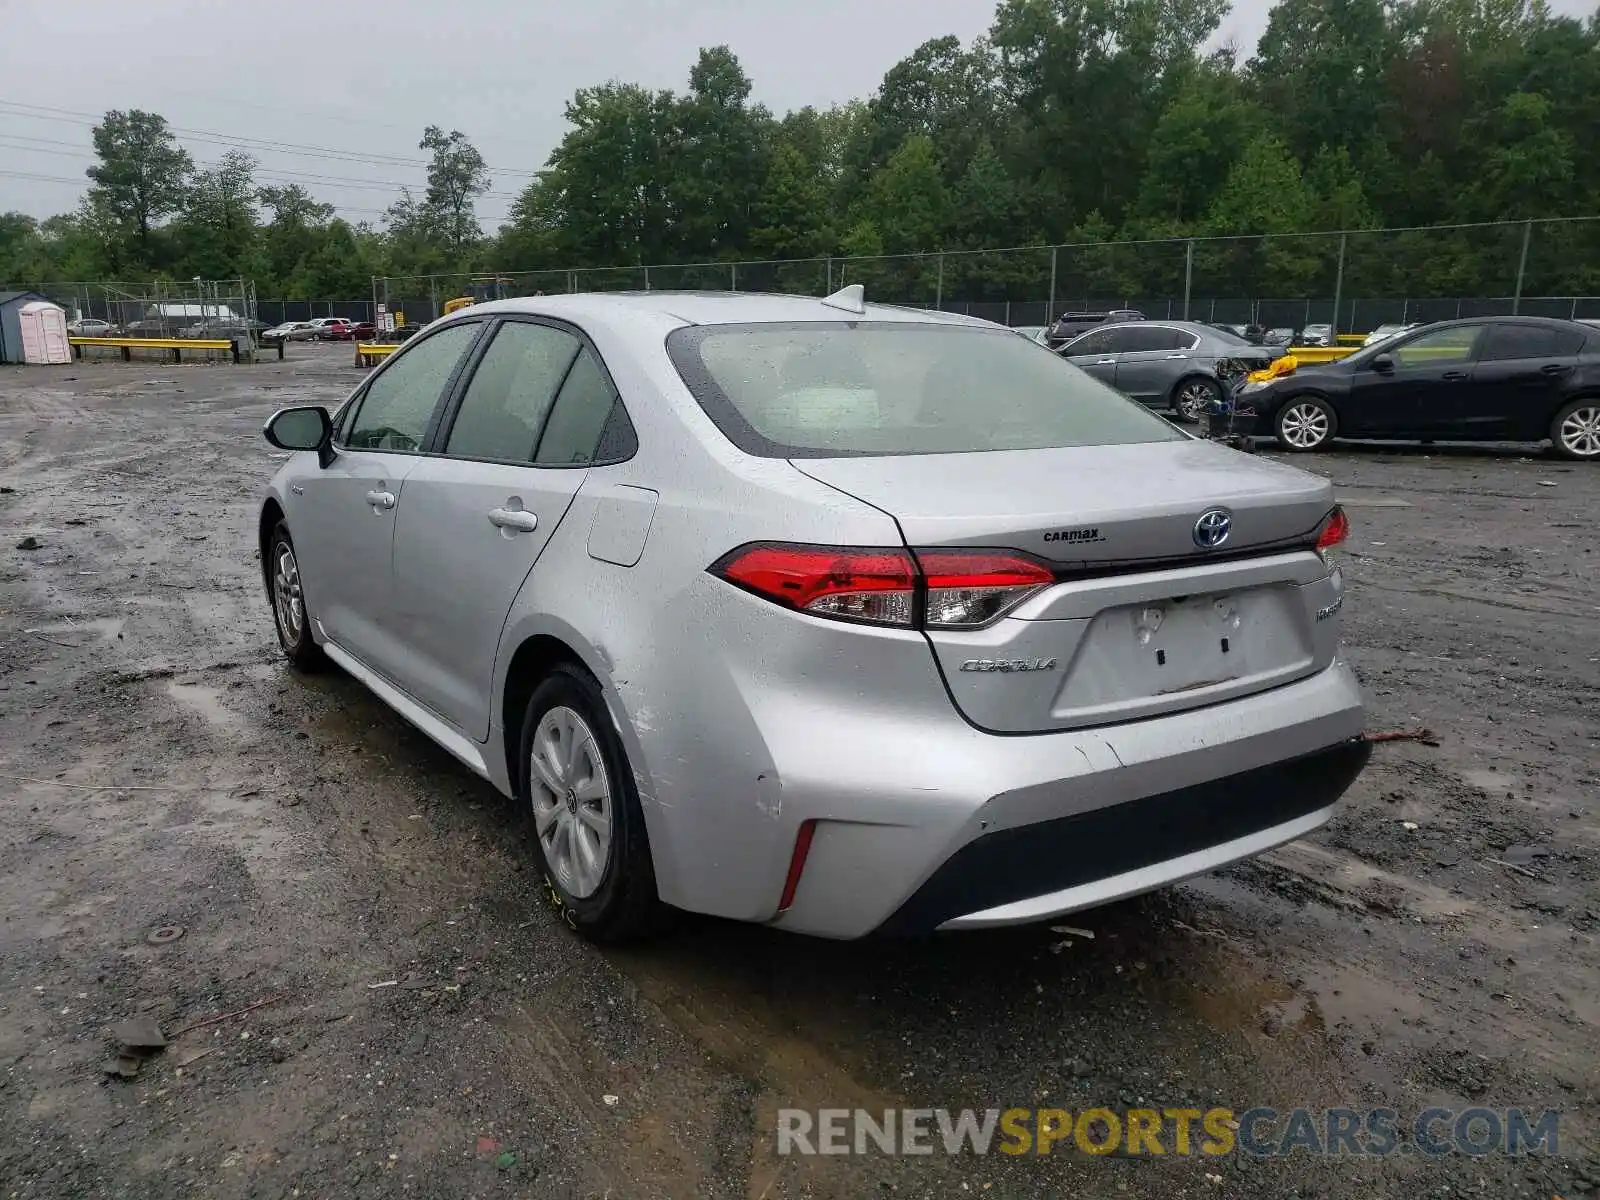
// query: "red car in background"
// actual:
[[334, 329], [364, 331]]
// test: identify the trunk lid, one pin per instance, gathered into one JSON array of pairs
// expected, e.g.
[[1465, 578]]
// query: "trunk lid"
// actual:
[[1144, 619]]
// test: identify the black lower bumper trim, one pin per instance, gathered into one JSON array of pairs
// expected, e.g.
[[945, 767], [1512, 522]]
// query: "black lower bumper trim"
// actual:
[[1050, 856]]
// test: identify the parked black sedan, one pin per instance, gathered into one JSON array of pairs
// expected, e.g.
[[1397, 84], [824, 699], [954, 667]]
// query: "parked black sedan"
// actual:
[[1501, 379]]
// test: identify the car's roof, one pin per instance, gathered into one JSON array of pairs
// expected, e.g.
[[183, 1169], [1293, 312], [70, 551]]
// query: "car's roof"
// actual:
[[711, 308]]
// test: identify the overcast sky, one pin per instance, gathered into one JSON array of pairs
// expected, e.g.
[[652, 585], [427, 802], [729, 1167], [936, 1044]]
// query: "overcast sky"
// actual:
[[359, 78]]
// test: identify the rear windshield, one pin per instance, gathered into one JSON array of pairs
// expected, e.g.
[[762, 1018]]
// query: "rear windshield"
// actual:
[[826, 390]]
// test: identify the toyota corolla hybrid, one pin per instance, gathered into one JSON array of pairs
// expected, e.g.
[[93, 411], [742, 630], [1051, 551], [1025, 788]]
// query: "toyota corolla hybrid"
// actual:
[[843, 618]]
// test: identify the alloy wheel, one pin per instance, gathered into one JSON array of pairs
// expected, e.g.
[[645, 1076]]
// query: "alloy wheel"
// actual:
[[288, 602], [1305, 426], [1194, 399], [571, 801], [1580, 432]]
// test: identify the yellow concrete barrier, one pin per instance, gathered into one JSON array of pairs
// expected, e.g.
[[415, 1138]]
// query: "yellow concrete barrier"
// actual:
[[369, 353], [177, 345]]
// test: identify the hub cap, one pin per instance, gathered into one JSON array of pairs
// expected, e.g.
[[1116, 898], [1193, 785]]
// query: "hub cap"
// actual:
[[1304, 426], [1580, 432], [287, 603], [571, 801]]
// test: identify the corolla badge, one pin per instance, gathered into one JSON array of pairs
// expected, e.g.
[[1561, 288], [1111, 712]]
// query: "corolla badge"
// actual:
[[1213, 528], [1009, 664]]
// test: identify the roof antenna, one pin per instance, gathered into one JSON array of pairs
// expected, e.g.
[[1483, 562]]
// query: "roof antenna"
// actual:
[[851, 299]]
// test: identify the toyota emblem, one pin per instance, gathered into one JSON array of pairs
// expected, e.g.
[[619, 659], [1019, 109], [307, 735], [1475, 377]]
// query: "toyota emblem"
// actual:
[[1213, 528]]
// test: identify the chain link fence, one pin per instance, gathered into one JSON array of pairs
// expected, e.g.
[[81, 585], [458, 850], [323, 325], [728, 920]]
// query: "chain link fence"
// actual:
[[1354, 279], [200, 308]]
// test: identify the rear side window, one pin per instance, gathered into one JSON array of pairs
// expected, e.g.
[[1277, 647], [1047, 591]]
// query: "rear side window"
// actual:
[[825, 389], [588, 423], [1530, 341], [515, 383]]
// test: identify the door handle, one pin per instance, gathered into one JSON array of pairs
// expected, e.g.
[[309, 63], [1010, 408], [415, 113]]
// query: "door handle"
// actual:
[[1454, 375], [380, 499], [1105, 362], [518, 520], [1171, 356], [1554, 369]]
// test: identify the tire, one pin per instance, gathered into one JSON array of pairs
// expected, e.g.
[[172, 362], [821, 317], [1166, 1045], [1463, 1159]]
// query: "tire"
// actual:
[[1193, 397], [1305, 423], [1575, 431], [289, 615], [581, 778]]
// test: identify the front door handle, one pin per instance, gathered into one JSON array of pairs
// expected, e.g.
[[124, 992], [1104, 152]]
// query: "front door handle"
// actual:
[[1105, 362], [518, 520], [1177, 356], [1454, 375], [1554, 369], [380, 499]]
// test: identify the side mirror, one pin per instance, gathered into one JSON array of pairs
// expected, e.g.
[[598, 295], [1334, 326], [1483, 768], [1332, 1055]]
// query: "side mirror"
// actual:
[[1383, 363], [306, 428]]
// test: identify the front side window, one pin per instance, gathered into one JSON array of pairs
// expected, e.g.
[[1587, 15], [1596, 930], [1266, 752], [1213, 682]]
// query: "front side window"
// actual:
[[506, 403], [825, 389], [1437, 347], [1098, 342], [399, 404]]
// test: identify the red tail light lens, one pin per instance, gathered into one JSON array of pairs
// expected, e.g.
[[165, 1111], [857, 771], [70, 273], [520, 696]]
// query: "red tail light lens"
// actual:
[[964, 589], [967, 589], [1335, 528], [871, 585]]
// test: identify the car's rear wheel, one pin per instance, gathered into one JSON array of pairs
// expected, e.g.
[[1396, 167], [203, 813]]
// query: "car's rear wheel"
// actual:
[[1305, 423], [1575, 432], [1194, 397], [289, 603], [589, 830]]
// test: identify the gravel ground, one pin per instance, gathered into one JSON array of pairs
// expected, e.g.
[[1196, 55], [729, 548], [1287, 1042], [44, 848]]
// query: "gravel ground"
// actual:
[[159, 767]]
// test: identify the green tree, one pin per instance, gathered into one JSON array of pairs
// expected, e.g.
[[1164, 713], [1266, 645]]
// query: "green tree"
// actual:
[[906, 201], [218, 234], [142, 176], [1194, 143], [292, 233], [720, 161], [605, 187], [790, 210], [457, 176], [1321, 68], [1265, 193]]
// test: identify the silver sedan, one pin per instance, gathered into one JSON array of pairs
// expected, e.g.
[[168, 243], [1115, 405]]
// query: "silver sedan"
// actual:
[[1181, 366], [837, 617]]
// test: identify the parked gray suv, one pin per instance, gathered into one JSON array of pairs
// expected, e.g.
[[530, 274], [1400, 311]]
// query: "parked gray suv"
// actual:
[[1178, 365]]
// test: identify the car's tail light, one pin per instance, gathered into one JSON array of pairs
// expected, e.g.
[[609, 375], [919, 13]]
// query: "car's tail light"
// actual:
[[967, 589], [1335, 528], [871, 585], [937, 588]]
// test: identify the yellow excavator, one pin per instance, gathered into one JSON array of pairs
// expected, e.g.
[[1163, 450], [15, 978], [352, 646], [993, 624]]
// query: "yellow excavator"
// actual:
[[482, 289]]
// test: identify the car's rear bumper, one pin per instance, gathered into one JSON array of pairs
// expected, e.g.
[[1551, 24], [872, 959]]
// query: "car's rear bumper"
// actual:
[[958, 829], [1032, 872]]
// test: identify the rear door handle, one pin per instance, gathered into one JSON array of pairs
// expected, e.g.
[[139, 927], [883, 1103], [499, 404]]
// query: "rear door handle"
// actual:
[[1554, 369], [1105, 362], [518, 520], [1454, 375], [380, 499], [1177, 356]]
